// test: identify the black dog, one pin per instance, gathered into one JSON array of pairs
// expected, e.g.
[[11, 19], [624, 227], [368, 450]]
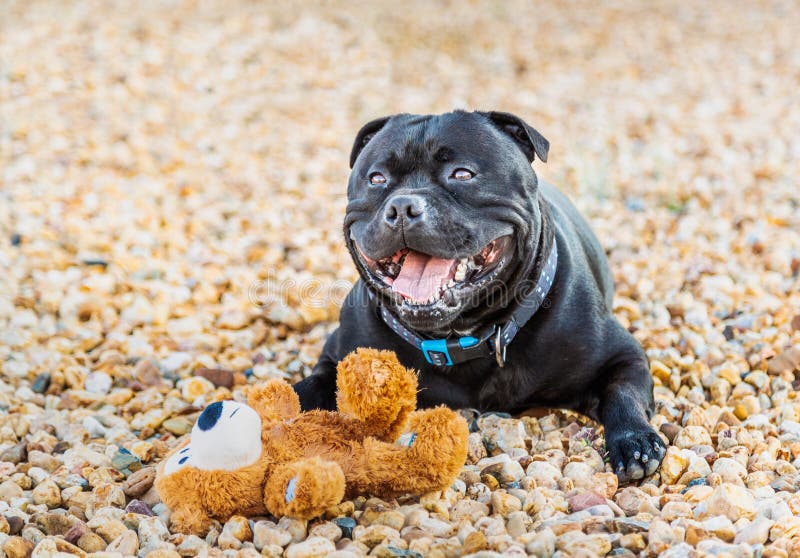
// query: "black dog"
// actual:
[[487, 282]]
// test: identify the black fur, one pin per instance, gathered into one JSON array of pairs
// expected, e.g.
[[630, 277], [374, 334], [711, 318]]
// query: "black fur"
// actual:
[[572, 354]]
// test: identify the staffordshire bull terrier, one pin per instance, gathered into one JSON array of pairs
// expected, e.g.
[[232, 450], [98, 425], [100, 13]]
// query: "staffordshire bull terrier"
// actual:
[[485, 280]]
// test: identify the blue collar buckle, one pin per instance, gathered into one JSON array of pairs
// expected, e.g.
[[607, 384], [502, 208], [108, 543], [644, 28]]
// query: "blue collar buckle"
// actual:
[[447, 352]]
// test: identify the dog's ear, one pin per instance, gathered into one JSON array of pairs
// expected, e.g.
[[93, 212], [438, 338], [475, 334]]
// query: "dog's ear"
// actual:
[[364, 135], [529, 140]]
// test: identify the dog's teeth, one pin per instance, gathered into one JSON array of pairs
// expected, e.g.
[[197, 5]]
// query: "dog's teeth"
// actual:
[[461, 270]]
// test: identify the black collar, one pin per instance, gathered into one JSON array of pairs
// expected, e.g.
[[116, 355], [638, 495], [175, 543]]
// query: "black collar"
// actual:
[[493, 342]]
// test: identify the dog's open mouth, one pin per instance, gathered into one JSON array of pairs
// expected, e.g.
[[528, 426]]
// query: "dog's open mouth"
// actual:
[[420, 279]]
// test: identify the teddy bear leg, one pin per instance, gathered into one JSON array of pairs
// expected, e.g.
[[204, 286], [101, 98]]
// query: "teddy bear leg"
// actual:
[[427, 457], [190, 520], [304, 488], [375, 389]]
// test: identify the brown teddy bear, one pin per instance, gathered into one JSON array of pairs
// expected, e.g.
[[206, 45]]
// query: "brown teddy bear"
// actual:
[[267, 456]]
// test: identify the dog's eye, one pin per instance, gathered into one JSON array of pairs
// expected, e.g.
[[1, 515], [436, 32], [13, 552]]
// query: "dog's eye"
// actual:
[[462, 174], [377, 179]]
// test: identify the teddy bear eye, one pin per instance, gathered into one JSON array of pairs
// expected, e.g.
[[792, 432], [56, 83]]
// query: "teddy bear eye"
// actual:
[[377, 179], [462, 174]]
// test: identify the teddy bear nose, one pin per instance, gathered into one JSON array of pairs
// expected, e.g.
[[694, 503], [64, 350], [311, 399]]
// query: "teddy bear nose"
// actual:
[[209, 417]]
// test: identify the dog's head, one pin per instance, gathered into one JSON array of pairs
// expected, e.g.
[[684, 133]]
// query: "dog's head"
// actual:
[[442, 215]]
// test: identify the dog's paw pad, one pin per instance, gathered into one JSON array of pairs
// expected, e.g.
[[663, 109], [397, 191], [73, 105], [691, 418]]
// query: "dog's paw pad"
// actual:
[[635, 453], [291, 487]]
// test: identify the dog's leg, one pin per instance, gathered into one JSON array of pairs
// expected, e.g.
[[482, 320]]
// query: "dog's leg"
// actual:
[[318, 391], [626, 404]]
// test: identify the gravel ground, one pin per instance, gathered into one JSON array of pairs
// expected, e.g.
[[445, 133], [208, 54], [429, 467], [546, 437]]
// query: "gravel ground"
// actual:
[[172, 184]]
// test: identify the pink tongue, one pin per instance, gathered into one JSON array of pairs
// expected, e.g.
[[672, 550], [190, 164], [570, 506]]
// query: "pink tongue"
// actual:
[[421, 276]]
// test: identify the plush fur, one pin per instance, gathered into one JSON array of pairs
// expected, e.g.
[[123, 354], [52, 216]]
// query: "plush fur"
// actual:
[[311, 461]]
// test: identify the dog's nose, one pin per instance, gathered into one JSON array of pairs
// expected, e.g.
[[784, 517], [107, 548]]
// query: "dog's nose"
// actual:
[[405, 210]]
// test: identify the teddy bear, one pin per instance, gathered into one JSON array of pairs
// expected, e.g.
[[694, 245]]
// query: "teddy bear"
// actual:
[[267, 456]]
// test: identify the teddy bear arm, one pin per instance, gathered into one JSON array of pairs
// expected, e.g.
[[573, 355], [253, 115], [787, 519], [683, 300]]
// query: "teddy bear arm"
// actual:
[[304, 488], [274, 400], [375, 389]]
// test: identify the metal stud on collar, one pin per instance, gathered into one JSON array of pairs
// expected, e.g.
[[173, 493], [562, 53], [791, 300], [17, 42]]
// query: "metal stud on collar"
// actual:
[[499, 348]]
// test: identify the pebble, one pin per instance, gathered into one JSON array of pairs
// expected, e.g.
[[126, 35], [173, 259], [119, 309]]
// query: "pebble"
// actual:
[[139, 482], [757, 532], [47, 493], [732, 501], [235, 531], [126, 543], [98, 382], [313, 547], [219, 377], [18, 547], [346, 524]]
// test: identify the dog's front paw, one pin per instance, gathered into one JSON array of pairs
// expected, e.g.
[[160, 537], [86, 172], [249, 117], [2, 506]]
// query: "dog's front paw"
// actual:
[[635, 451]]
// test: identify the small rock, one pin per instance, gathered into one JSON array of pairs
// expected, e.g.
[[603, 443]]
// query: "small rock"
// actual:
[[235, 532], [192, 545], [346, 524], [147, 373], [177, 425], [329, 530], [91, 542], [542, 545], [297, 528], [49, 547], [585, 500], [15, 524], [633, 541], [633, 500], [374, 534], [151, 531], [107, 527], [17, 547], [755, 533], [139, 507], [674, 465], [476, 450], [195, 387], [474, 542], [139, 482], [43, 460], [76, 531], [720, 526], [9, 490], [661, 536], [505, 504], [313, 547], [98, 382], [124, 460], [16, 454], [219, 377], [127, 543], [54, 523], [732, 501], [544, 473], [502, 467], [47, 493], [41, 383], [692, 436]]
